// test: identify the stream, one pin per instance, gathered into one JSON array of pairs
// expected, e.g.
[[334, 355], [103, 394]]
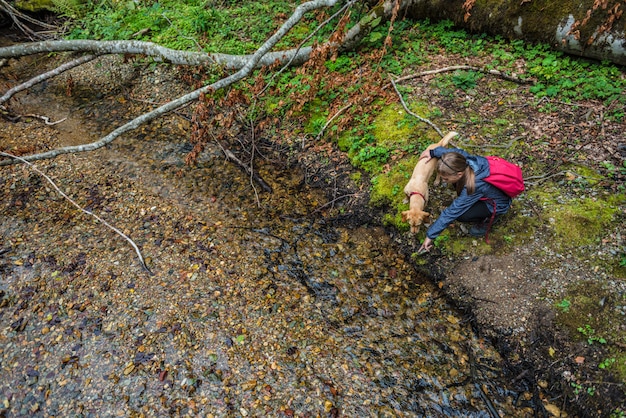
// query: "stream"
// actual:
[[258, 305]]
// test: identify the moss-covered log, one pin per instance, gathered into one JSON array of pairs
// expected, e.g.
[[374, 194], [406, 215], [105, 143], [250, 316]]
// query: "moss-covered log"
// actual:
[[588, 28]]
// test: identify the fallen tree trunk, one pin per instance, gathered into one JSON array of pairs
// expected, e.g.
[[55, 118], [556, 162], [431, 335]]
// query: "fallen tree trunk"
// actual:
[[588, 28]]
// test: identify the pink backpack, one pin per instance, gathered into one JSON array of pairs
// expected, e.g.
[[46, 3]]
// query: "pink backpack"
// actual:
[[505, 175]]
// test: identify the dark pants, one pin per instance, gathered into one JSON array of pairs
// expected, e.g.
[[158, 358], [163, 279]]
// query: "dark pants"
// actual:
[[476, 214]]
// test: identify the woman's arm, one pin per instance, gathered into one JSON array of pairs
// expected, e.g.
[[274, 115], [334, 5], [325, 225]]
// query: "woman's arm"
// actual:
[[439, 151], [457, 208]]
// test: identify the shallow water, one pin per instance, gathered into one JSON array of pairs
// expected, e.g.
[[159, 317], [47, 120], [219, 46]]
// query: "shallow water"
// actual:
[[256, 307]]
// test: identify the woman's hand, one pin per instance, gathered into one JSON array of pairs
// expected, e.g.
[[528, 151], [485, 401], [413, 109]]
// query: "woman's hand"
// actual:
[[426, 246], [425, 155]]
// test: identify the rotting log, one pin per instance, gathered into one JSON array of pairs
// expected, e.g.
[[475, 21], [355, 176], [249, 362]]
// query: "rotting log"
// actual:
[[589, 28]]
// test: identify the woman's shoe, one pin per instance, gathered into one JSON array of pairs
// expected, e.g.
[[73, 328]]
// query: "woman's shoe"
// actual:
[[479, 230]]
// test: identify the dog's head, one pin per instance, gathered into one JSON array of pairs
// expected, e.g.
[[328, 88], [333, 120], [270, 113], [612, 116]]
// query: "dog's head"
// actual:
[[415, 218]]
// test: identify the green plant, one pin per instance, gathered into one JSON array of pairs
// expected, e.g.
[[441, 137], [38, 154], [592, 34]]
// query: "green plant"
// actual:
[[612, 170], [606, 363], [564, 305], [238, 28], [372, 154], [440, 240], [342, 64], [465, 80], [72, 9], [589, 332], [317, 124]]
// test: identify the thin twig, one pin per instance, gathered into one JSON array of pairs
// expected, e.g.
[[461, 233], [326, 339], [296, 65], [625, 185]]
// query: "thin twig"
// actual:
[[332, 202], [542, 178], [432, 125], [45, 119], [114, 229], [466, 67], [252, 174]]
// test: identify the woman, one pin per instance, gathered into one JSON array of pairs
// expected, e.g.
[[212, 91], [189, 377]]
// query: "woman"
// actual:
[[477, 201]]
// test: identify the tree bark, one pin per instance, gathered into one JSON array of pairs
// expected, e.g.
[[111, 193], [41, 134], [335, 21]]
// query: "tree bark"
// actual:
[[587, 28], [157, 52]]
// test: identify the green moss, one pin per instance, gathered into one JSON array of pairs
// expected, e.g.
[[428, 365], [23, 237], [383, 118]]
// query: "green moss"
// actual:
[[580, 222], [585, 175], [356, 177], [317, 114], [395, 220], [387, 188], [394, 127], [35, 5]]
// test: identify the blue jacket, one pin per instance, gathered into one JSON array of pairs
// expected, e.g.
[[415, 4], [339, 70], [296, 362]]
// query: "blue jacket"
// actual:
[[464, 201]]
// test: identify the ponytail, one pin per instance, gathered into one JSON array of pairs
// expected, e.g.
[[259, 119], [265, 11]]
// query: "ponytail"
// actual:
[[469, 178]]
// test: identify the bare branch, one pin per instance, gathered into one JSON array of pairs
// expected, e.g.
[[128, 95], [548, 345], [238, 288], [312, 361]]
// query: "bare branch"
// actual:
[[466, 67], [327, 124], [432, 125], [157, 52], [188, 98], [108, 225]]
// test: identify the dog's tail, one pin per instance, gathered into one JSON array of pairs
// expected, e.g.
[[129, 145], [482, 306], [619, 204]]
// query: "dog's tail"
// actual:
[[444, 141]]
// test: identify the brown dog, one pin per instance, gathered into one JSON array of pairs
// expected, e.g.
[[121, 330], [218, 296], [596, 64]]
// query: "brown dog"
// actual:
[[416, 189]]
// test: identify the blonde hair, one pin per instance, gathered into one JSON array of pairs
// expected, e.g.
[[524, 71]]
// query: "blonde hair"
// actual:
[[452, 163]]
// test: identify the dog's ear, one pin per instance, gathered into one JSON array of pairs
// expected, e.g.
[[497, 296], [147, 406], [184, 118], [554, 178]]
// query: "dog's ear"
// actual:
[[405, 215], [426, 217]]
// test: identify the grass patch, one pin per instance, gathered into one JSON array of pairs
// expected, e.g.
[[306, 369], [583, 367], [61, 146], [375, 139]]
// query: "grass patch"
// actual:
[[234, 28]]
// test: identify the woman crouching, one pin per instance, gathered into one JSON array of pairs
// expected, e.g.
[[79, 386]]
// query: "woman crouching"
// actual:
[[477, 201]]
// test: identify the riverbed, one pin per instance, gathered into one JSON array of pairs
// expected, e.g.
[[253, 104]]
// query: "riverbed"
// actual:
[[256, 304]]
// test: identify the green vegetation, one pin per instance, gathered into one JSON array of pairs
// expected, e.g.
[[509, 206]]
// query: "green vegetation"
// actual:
[[589, 332], [232, 27], [564, 305], [383, 140], [591, 314]]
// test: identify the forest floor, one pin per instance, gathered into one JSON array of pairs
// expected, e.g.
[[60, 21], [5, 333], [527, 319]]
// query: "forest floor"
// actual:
[[511, 292], [550, 282]]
